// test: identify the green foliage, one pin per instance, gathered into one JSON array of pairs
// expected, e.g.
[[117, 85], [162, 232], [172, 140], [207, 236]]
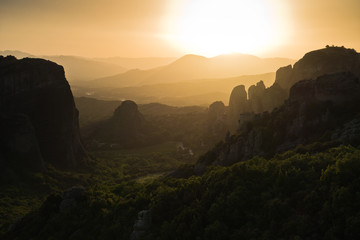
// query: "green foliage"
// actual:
[[294, 195]]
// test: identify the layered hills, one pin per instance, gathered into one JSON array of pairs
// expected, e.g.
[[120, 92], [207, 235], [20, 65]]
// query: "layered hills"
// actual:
[[187, 93], [190, 80], [192, 67]]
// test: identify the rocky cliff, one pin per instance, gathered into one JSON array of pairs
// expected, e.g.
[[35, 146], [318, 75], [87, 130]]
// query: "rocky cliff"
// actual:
[[323, 110], [35, 95], [314, 64], [238, 104], [216, 119], [317, 63]]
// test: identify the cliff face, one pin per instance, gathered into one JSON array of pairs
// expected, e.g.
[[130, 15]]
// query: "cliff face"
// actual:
[[38, 90], [317, 63], [314, 64], [216, 120], [321, 110], [238, 104], [337, 88]]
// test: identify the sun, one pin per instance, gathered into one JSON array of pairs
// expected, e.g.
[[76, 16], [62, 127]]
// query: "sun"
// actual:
[[213, 27]]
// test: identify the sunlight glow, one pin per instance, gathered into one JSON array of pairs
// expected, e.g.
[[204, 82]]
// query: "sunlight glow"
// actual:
[[213, 27]]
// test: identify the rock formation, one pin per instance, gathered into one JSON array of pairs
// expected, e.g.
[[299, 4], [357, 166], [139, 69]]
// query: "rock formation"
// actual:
[[19, 145], [314, 64], [321, 110], [36, 96], [237, 105], [256, 94], [317, 63], [337, 88], [217, 118], [124, 129]]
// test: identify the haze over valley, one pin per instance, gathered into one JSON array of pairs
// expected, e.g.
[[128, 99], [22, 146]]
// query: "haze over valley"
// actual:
[[179, 119]]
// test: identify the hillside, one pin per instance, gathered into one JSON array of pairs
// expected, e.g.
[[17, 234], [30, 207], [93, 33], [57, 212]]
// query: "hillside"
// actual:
[[138, 63], [192, 67], [186, 93]]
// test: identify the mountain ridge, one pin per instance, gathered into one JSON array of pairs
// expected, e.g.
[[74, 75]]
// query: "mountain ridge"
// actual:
[[223, 66]]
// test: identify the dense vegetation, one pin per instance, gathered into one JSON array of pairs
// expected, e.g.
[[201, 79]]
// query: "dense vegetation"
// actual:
[[24, 190], [294, 195]]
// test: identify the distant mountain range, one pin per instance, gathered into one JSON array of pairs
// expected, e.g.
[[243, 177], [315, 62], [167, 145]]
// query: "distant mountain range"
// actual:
[[79, 69], [189, 80], [192, 67], [138, 63], [199, 92], [123, 72], [76, 68]]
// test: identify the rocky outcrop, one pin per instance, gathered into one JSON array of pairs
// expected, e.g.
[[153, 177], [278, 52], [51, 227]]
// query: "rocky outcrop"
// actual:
[[37, 89], [237, 104], [314, 64], [337, 88], [19, 145], [263, 99], [217, 118], [127, 120], [317, 63], [124, 129], [256, 93], [321, 110], [283, 75]]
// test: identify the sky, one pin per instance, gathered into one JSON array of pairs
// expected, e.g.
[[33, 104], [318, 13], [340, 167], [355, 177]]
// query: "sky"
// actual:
[[172, 28]]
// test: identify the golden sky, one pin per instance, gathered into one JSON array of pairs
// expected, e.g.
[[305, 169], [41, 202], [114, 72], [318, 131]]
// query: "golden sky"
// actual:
[[167, 28]]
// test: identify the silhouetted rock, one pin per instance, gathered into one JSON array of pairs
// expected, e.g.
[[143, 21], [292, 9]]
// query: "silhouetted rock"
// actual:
[[19, 145], [123, 129], [283, 75], [273, 97], [322, 110], [313, 65], [127, 120], [237, 104], [336, 88], [317, 63], [256, 94], [38, 90], [217, 118]]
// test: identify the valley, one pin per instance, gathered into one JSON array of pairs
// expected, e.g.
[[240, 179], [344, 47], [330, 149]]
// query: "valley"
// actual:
[[274, 156]]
